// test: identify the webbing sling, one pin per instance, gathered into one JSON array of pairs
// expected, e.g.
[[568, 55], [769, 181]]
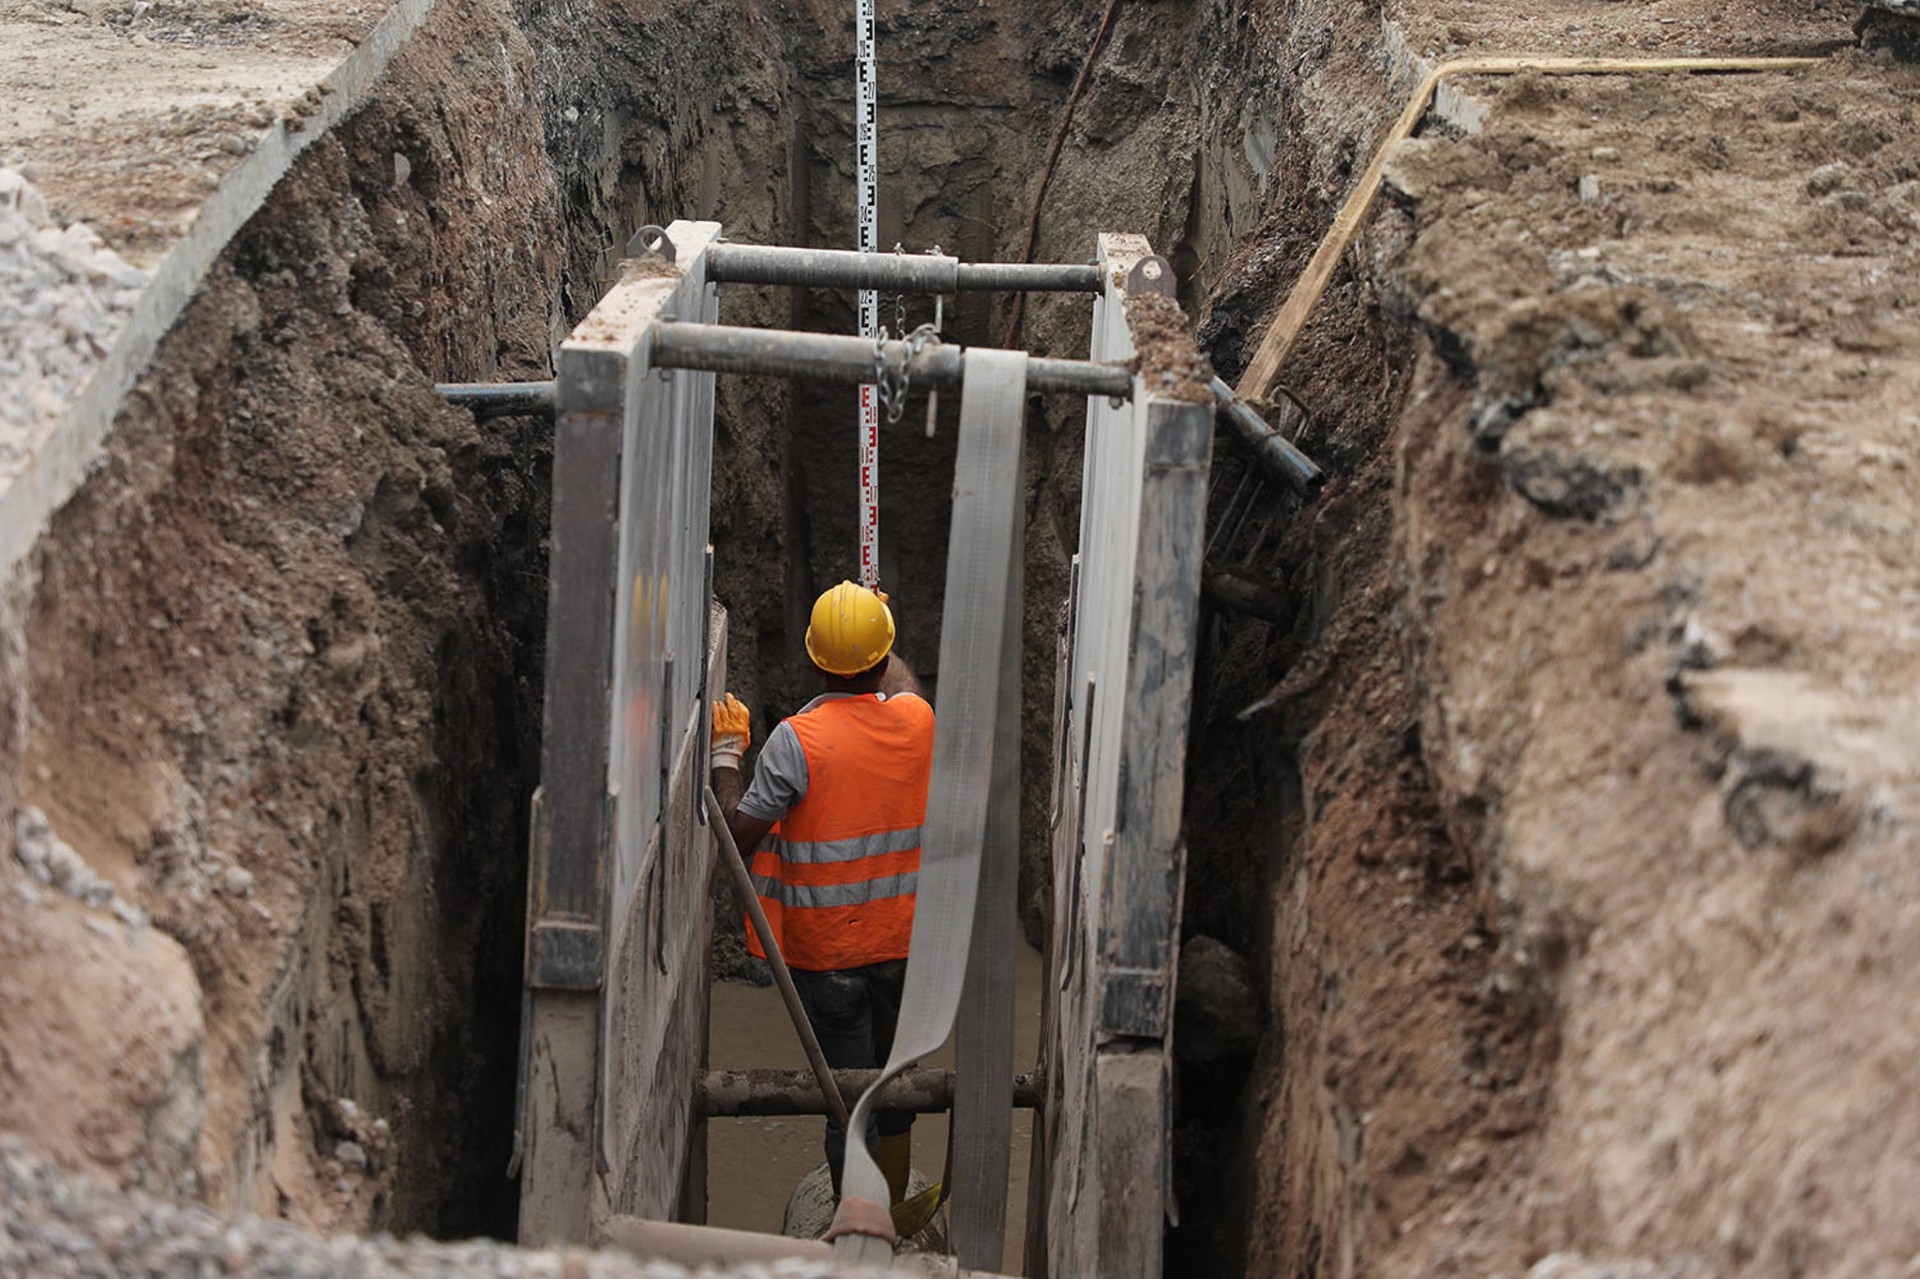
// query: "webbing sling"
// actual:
[[982, 549], [983, 1040]]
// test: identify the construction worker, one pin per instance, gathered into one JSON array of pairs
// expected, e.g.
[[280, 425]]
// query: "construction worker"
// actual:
[[833, 818]]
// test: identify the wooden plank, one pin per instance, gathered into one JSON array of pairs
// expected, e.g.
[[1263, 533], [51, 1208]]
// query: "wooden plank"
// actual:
[[1119, 862], [573, 764], [657, 1001], [1129, 1166], [1064, 809]]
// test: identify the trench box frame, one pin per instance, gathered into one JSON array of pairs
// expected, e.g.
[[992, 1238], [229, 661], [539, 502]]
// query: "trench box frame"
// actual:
[[622, 863], [1102, 1183]]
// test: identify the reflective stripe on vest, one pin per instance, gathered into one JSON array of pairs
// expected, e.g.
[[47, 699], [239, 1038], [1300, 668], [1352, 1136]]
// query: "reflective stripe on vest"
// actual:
[[837, 875], [816, 895]]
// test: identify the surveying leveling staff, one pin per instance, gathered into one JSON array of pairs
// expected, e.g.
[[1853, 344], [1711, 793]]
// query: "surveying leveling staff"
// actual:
[[834, 817]]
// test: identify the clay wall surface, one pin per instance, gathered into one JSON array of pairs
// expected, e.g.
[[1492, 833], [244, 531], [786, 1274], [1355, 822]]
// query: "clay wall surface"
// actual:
[[274, 676]]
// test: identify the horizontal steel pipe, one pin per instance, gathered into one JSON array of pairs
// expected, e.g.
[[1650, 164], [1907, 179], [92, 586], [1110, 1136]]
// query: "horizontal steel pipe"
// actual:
[[825, 357], [893, 272], [703, 1248], [1030, 277], [1272, 451], [831, 268], [795, 1092], [697, 1246], [501, 399]]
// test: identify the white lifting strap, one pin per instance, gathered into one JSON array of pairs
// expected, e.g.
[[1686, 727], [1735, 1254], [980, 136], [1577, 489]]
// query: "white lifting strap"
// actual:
[[982, 592]]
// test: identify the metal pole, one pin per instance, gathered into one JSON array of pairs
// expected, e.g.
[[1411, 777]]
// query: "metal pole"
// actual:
[[832, 268], [825, 357], [501, 399], [925, 1090], [896, 272], [1030, 277], [781, 977], [1272, 451]]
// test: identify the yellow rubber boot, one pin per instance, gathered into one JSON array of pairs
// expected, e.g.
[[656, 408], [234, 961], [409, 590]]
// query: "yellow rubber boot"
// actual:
[[896, 1161]]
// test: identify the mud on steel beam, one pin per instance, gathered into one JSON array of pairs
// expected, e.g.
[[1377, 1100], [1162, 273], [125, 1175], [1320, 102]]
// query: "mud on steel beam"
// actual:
[[795, 1092]]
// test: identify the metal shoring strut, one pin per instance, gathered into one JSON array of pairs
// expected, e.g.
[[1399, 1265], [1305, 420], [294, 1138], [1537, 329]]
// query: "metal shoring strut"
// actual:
[[866, 121]]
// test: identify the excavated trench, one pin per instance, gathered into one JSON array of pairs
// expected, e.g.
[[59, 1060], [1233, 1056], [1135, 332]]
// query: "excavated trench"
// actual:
[[297, 618]]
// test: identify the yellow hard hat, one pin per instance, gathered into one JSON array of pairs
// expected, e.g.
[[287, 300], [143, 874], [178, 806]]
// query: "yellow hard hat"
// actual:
[[851, 630]]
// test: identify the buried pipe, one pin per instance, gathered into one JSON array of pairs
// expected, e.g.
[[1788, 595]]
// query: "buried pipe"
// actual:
[[735, 1093], [501, 399], [1273, 452]]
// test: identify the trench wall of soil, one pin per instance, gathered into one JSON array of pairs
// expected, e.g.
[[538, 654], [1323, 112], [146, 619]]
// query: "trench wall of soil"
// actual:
[[279, 682]]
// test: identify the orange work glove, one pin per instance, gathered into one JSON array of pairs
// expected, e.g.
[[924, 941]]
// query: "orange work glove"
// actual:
[[732, 730]]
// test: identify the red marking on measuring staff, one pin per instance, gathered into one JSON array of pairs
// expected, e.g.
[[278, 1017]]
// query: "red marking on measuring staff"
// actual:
[[869, 488]]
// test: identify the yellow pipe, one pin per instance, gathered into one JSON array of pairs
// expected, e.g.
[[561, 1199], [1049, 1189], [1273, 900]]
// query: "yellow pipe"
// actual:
[[1283, 334]]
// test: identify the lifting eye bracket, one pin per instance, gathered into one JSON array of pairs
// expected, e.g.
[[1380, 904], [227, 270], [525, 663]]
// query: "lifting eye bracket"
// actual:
[[650, 241], [1151, 274]]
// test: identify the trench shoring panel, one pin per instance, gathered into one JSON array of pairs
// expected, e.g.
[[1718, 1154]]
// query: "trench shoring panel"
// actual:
[[622, 866], [1126, 680]]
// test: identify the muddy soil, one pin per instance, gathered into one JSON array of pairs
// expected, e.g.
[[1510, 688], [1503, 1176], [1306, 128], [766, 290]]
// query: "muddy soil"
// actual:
[[1664, 607]]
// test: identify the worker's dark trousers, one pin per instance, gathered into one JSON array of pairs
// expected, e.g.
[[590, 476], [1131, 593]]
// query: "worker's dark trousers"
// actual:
[[854, 1012]]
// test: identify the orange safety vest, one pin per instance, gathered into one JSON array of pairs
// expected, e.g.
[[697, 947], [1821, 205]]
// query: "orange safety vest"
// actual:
[[837, 874]]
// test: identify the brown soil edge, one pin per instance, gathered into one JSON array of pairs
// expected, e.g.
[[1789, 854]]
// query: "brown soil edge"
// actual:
[[279, 675], [59, 464]]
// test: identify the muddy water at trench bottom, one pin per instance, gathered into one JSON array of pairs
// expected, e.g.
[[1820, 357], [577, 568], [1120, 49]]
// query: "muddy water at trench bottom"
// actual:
[[754, 1163]]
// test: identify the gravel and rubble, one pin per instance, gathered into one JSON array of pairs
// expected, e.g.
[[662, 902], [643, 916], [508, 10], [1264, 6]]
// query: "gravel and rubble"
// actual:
[[63, 296], [52, 861], [55, 1224]]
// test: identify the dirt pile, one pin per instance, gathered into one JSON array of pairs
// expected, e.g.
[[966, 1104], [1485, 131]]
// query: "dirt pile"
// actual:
[[1666, 611], [52, 1222]]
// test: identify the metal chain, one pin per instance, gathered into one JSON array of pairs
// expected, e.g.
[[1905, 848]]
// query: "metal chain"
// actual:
[[881, 374], [892, 384]]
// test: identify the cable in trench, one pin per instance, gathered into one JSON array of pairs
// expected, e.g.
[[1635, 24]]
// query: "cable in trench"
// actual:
[[1011, 339]]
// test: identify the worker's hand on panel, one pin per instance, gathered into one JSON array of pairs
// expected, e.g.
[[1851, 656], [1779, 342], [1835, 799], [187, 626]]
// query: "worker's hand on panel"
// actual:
[[732, 730]]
